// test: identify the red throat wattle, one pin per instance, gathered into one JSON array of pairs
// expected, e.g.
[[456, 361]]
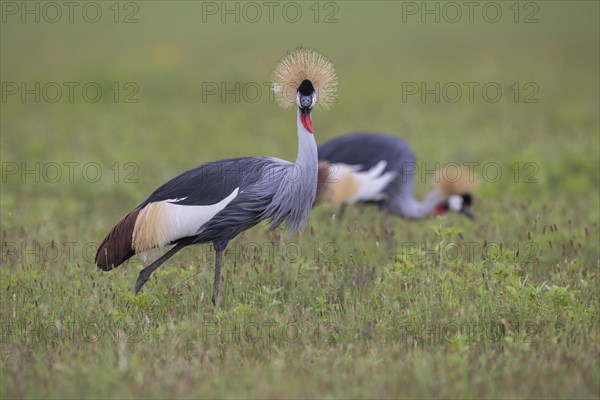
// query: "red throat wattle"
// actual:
[[440, 210], [306, 121]]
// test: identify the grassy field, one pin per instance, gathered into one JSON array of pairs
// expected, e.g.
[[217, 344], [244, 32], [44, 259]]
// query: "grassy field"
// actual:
[[505, 306]]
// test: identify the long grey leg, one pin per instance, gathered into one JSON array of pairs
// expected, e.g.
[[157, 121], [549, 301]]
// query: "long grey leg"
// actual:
[[219, 249], [146, 272], [342, 212]]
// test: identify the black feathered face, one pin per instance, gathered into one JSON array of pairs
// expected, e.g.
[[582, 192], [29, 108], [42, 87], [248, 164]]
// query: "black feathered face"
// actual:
[[457, 203], [306, 99]]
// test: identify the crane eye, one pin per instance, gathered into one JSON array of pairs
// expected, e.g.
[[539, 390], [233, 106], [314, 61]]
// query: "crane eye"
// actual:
[[467, 199]]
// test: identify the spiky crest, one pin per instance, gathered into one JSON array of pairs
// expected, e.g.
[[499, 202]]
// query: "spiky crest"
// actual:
[[305, 64], [455, 179]]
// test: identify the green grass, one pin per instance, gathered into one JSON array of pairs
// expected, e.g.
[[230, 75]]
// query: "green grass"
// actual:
[[504, 306]]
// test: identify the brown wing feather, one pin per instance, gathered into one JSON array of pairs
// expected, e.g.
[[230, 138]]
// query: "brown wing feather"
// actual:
[[116, 248]]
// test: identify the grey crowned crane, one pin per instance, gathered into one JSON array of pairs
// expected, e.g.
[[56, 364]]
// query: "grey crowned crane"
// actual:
[[375, 168], [215, 202]]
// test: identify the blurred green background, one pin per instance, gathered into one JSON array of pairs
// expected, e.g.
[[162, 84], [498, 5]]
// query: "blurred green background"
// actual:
[[170, 53]]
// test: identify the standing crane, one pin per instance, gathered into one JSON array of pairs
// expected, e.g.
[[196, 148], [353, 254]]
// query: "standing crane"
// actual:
[[375, 168], [215, 202]]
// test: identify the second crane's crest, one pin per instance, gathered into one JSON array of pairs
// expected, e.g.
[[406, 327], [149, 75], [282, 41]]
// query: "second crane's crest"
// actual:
[[455, 179], [305, 64]]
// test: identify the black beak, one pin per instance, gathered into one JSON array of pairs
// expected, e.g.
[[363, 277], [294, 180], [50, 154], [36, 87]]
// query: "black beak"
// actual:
[[468, 213]]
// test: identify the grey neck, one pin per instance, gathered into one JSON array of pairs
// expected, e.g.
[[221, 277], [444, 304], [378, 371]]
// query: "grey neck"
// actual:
[[410, 207], [307, 148], [298, 188], [306, 185]]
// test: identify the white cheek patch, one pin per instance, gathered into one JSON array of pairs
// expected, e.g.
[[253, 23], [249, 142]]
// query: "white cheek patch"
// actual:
[[455, 203]]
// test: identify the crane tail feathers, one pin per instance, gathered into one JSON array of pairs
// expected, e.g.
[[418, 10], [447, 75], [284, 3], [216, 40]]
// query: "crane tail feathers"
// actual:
[[117, 246]]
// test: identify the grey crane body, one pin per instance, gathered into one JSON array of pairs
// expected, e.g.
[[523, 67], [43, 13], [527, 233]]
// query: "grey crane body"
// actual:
[[215, 202], [365, 150], [267, 189]]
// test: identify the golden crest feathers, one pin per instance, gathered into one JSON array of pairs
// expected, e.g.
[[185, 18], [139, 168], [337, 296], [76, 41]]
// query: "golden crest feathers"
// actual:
[[455, 179], [299, 65]]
